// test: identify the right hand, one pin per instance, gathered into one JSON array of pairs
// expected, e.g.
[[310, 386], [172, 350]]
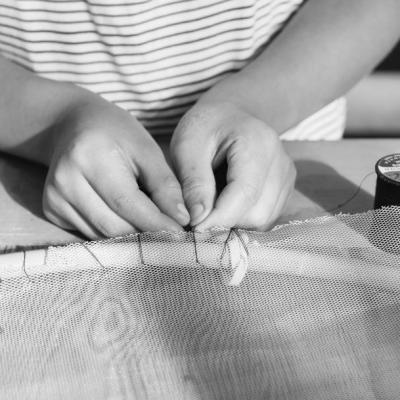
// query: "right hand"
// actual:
[[260, 175], [107, 175]]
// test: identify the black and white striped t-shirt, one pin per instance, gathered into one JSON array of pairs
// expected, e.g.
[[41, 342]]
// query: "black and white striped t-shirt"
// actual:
[[153, 58]]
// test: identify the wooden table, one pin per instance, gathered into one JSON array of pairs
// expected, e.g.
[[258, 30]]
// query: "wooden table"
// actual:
[[328, 174], [153, 333]]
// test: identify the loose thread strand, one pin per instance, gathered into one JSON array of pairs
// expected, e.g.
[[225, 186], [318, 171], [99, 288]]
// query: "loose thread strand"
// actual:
[[354, 195], [141, 252], [141, 256], [24, 266], [245, 247], [94, 256], [196, 253], [225, 248]]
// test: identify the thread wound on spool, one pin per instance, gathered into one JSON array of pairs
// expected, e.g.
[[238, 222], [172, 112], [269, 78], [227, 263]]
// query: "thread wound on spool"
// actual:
[[387, 192]]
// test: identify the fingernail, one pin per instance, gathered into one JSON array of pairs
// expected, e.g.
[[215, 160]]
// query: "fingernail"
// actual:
[[183, 214], [196, 213]]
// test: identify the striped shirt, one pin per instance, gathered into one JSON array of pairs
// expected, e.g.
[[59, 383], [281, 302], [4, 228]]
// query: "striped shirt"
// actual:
[[154, 58]]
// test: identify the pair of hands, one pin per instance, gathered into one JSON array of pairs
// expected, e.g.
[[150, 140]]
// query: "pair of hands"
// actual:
[[108, 177]]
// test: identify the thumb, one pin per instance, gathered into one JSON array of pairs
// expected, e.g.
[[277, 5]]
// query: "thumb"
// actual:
[[192, 158]]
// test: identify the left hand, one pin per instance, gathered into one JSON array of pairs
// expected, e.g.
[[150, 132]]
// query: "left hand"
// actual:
[[260, 174]]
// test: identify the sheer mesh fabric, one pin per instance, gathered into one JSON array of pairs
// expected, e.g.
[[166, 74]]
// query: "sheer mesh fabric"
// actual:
[[309, 310]]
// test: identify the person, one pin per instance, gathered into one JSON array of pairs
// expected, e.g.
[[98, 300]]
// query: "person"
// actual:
[[86, 83]]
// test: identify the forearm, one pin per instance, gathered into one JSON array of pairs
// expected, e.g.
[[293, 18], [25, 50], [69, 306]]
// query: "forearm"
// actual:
[[322, 52], [29, 109]]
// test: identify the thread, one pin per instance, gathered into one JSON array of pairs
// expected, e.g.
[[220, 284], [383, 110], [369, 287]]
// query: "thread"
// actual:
[[24, 266], [238, 258], [94, 256], [196, 253], [353, 196], [141, 253]]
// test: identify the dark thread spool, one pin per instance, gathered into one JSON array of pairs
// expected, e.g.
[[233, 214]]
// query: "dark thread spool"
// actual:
[[387, 192], [384, 233]]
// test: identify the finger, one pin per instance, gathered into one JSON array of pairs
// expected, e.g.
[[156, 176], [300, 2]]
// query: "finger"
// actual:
[[99, 215], [283, 198], [192, 157], [277, 188], [162, 185], [61, 213], [116, 184], [248, 166], [277, 211], [57, 220]]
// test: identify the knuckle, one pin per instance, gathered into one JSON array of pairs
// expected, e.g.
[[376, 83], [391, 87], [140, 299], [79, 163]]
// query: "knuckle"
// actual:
[[169, 183], [49, 198], [60, 176], [120, 202], [250, 191], [78, 153], [244, 140], [193, 185], [168, 187]]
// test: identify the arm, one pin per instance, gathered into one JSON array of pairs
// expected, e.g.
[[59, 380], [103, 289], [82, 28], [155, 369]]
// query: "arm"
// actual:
[[373, 106], [107, 176], [323, 51], [326, 47], [29, 107]]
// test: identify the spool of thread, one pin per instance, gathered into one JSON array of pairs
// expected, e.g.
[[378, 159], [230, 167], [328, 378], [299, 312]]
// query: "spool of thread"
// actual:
[[387, 192]]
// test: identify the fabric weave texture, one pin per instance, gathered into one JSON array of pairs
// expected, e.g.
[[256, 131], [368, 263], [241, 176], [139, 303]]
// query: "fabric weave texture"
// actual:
[[156, 316]]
